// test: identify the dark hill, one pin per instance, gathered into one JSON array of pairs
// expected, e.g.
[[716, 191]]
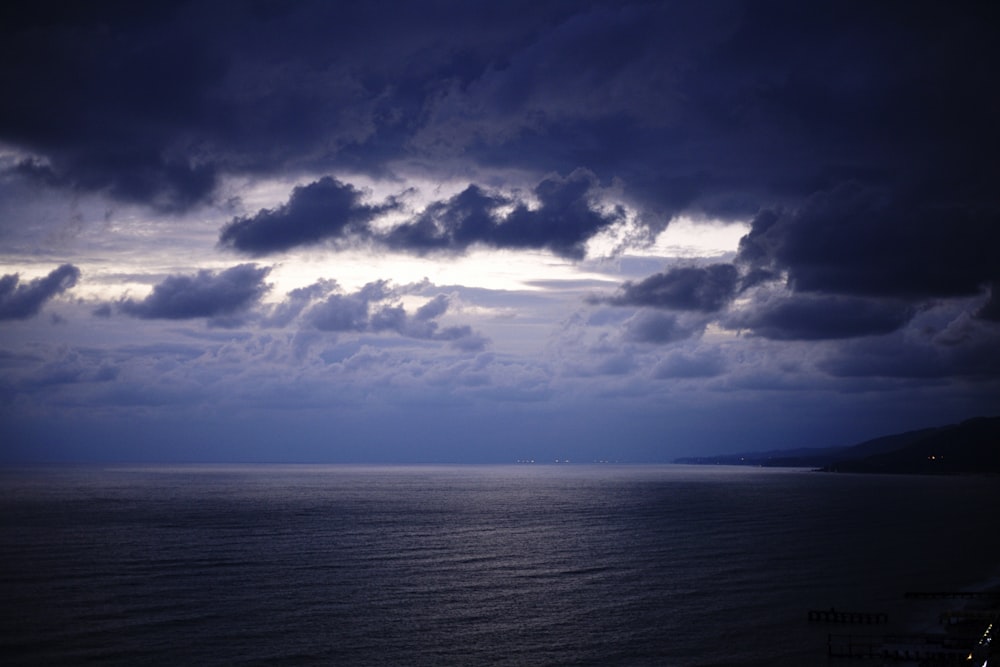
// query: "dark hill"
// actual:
[[803, 457], [972, 446], [814, 457]]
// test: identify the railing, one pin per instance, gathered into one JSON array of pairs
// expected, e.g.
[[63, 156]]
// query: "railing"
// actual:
[[940, 595]]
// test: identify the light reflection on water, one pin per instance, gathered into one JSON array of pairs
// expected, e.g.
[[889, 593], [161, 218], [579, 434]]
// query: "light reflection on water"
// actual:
[[532, 565]]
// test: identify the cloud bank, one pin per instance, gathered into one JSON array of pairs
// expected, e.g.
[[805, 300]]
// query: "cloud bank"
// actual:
[[204, 294], [856, 142], [23, 300]]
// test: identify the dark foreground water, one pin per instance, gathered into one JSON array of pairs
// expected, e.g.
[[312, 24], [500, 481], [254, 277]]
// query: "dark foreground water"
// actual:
[[519, 565]]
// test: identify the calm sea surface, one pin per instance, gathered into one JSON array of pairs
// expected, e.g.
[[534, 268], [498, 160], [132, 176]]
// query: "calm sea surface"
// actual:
[[469, 565]]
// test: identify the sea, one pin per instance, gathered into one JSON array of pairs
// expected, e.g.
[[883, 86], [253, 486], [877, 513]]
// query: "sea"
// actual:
[[474, 565]]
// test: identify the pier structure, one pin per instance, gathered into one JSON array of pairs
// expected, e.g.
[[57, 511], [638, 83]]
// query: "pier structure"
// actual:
[[955, 646], [931, 649], [836, 616]]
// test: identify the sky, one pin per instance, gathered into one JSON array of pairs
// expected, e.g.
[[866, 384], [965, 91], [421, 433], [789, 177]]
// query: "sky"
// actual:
[[461, 231]]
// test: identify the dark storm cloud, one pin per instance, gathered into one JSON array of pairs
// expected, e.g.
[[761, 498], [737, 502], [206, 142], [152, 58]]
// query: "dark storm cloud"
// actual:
[[323, 210], [329, 210], [812, 317], [563, 222], [792, 316], [23, 300], [154, 103], [449, 225], [204, 294], [858, 240], [106, 96], [705, 289], [722, 107]]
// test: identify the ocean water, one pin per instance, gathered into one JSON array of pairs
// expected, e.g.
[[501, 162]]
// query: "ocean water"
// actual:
[[471, 565]]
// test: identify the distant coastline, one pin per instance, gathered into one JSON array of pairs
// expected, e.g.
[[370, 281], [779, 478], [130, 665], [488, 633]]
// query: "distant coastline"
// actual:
[[969, 447]]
